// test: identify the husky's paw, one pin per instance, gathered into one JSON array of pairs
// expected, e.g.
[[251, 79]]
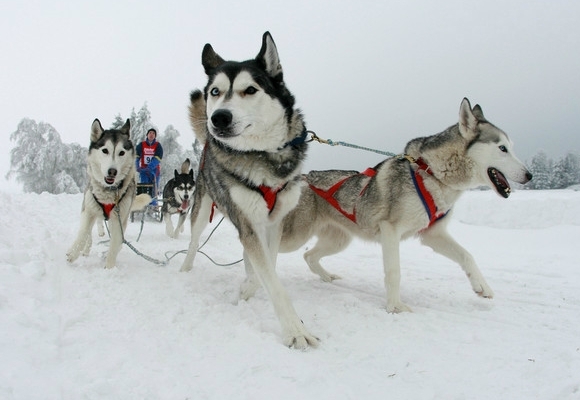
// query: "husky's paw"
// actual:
[[327, 277], [301, 341], [398, 307], [72, 255], [483, 290], [186, 268], [248, 289]]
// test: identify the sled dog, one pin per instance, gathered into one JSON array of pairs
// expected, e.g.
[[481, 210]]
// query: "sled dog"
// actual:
[[178, 198], [403, 196], [111, 191], [251, 166]]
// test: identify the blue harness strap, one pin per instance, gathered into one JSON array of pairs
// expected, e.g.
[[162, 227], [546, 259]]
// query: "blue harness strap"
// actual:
[[425, 196]]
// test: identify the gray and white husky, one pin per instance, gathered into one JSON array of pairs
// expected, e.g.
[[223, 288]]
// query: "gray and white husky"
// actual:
[[178, 198], [111, 191], [403, 196], [408, 195], [251, 166]]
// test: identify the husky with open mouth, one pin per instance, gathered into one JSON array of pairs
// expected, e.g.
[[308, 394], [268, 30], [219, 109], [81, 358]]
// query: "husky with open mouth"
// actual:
[[111, 192]]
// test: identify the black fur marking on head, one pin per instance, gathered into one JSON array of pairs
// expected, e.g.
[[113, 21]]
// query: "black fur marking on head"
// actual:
[[115, 136]]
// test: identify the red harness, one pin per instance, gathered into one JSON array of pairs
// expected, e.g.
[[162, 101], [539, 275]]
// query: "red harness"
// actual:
[[424, 194], [107, 208], [268, 194], [328, 195]]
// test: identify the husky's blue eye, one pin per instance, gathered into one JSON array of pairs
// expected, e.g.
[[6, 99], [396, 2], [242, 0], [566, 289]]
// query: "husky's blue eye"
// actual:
[[250, 90], [214, 92], [503, 148]]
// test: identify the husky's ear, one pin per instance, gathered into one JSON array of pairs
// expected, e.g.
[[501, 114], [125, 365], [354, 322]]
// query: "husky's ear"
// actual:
[[96, 130], [478, 112], [268, 57], [467, 120], [185, 166], [210, 59], [176, 175], [191, 174], [126, 129]]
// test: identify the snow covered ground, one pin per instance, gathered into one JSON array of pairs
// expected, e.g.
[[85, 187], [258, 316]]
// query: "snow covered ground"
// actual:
[[142, 331]]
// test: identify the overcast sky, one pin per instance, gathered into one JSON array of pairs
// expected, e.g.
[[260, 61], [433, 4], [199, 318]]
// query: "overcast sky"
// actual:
[[374, 73]]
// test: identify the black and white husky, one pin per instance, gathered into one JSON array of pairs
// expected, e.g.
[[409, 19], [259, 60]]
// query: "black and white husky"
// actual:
[[111, 192], [178, 198], [251, 166]]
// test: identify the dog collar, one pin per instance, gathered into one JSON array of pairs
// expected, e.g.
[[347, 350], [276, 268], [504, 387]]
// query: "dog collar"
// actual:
[[298, 140], [119, 186]]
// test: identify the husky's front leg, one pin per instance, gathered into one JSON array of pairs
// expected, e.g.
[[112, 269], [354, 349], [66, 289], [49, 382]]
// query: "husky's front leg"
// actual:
[[168, 225], [179, 227], [251, 283], [116, 242], [441, 241], [263, 260], [83, 237], [199, 220], [390, 242]]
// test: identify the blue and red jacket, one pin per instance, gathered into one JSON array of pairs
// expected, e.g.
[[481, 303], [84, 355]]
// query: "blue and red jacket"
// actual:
[[149, 155]]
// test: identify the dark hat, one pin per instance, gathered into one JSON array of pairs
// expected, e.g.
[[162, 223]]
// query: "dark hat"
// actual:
[[152, 129]]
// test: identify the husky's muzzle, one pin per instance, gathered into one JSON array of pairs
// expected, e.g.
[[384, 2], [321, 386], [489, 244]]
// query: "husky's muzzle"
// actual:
[[111, 176], [222, 122]]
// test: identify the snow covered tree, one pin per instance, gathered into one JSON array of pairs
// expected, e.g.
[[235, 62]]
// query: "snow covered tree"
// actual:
[[42, 163], [118, 122], [140, 124], [541, 168], [566, 171], [172, 154]]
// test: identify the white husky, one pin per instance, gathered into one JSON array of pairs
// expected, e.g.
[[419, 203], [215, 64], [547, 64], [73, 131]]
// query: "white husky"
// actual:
[[111, 192]]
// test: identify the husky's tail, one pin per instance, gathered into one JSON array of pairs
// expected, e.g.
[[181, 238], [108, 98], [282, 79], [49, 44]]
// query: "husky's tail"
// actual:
[[197, 116], [141, 201], [185, 166]]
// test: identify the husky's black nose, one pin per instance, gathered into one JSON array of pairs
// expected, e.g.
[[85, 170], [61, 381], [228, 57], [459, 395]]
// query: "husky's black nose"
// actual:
[[112, 172], [529, 176], [221, 119]]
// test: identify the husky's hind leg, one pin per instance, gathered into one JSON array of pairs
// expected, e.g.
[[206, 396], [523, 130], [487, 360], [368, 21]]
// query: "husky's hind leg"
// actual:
[[441, 241], [330, 241]]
